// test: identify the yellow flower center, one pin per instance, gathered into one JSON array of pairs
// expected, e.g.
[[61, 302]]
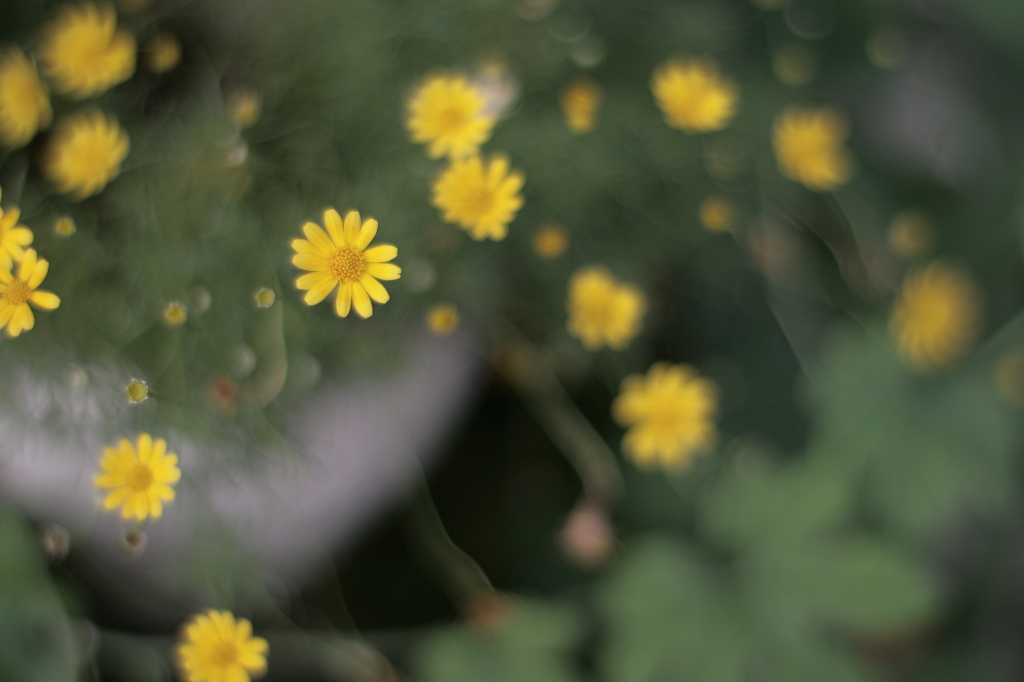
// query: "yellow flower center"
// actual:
[[17, 292], [452, 120], [346, 264], [139, 477], [479, 201], [223, 654]]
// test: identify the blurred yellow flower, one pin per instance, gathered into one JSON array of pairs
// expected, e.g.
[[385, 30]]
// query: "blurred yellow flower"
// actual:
[[85, 153], [244, 107], [442, 319], [809, 147], [64, 226], [13, 237], [603, 311], [83, 53], [550, 241], [17, 292], [340, 258], [482, 198], [162, 52], [935, 318], [24, 103], [670, 415], [447, 113], [175, 313], [218, 648], [910, 234], [693, 95], [717, 214], [580, 101], [139, 477]]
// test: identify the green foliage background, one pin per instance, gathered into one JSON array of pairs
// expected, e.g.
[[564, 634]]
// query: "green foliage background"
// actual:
[[858, 518]]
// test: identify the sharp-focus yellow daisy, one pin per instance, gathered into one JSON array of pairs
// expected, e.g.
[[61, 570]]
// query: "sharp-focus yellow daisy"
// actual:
[[810, 147], [603, 311], [480, 197], [580, 101], [17, 292], [670, 415], [85, 153], [217, 647], [139, 477], [693, 95], [449, 115], [935, 318], [13, 238], [24, 103], [83, 53], [340, 258]]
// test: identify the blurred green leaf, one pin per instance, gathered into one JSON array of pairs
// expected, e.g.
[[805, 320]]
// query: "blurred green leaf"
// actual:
[[855, 583], [668, 617], [771, 507], [36, 642], [533, 645]]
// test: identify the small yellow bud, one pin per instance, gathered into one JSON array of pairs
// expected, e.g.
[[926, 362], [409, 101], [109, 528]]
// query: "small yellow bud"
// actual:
[[137, 390], [244, 107], [162, 52], [64, 226], [911, 234], [550, 241], [265, 297], [442, 319], [717, 214], [175, 313]]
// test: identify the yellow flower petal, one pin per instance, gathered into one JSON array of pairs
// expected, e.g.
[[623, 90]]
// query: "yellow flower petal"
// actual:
[[343, 303], [312, 279], [320, 291], [316, 234], [380, 253], [384, 271], [361, 301], [366, 234], [375, 289], [309, 262], [332, 221]]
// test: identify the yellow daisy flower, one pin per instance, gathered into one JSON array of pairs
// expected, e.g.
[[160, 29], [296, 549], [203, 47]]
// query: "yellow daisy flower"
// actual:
[[17, 292], [442, 319], [24, 102], [580, 101], [717, 214], [447, 113], [809, 147], [84, 54], [140, 477], [482, 198], [603, 311], [693, 96], [670, 415], [550, 241], [217, 647], [935, 318], [85, 153], [340, 258], [13, 238]]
